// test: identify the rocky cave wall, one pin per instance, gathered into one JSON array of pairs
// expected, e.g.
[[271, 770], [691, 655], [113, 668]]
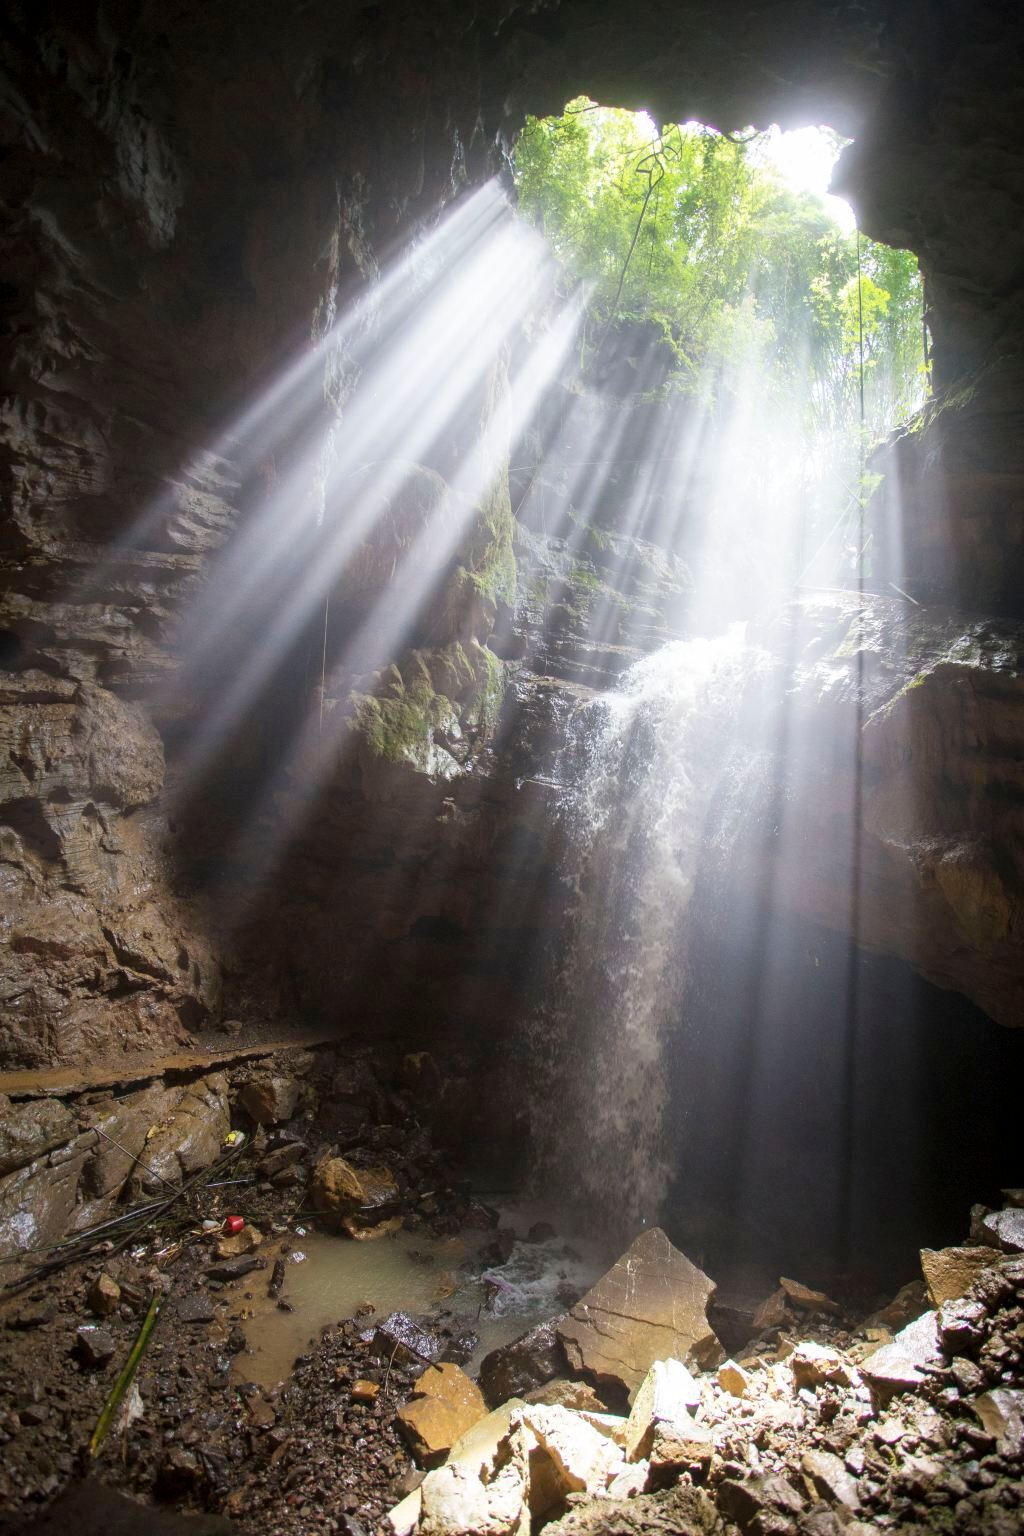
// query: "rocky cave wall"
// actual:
[[192, 195]]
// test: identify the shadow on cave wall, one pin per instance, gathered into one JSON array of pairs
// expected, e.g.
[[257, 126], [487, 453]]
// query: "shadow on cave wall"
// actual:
[[823, 1138]]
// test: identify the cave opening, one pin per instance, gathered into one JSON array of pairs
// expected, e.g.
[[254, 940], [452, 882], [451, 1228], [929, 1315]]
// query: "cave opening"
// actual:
[[510, 811]]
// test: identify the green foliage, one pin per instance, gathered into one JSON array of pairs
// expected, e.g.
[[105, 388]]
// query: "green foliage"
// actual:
[[686, 232]]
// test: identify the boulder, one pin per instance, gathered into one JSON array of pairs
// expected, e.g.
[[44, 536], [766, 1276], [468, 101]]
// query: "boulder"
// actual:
[[526, 1363], [351, 1194], [478, 1451], [896, 1367], [830, 1479], [446, 1404], [1001, 1413], [814, 1364], [806, 1300], [667, 1393], [29, 1130], [732, 1378], [949, 1272], [651, 1305], [270, 1098], [909, 1302], [565, 1455], [772, 1313], [746, 1502], [189, 1139], [1005, 1229], [454, 1502], [37, 1202], [680, 1445]]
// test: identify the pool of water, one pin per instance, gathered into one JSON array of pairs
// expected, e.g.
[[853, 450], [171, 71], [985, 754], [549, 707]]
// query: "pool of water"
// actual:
[[328, 1278]]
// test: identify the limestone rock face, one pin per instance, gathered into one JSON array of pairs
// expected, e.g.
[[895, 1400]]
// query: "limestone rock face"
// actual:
[[28, 1130], [930, 705], [650, 1306]]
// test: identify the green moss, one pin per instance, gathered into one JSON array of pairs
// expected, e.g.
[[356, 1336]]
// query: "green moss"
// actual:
[[397, 724]]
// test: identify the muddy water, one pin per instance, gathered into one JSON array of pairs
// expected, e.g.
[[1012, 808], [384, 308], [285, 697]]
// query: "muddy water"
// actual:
[[328, 1278]]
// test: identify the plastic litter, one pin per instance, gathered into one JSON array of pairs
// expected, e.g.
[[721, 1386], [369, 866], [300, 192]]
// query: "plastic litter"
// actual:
[[234, 1224]]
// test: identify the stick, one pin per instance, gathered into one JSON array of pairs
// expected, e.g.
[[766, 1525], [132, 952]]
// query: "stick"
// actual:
[[126, 1377]]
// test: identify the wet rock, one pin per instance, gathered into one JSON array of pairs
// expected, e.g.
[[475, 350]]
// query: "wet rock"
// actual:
[[195, 1309], [402, 1340], [650, 1306], [830, 1478], [238, 1243], [178, 1472], [949, 1272], [281, 1158], [445, 1406], [340, 1190], [1005, 1230], [805, 1299], [191, 1139], [28, 1131], [814, 1364], [366, 1231], [270, 1098], [37, 1202], [1001, 1413], [666, 1394], [528, 1362], [234, 1269], [95, 1346], [104, 1295], [897, 1367]]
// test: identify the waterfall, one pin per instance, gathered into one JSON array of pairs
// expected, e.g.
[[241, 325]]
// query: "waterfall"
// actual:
[[639, 768]]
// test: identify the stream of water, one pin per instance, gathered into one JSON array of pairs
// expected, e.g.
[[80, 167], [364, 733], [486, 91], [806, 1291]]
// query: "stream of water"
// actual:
[[640, 767]]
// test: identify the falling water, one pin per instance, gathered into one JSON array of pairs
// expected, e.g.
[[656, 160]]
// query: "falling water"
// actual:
[[640, 767]]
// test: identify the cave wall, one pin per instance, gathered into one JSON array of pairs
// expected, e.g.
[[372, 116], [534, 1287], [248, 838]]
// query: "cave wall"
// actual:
[[193, 193]]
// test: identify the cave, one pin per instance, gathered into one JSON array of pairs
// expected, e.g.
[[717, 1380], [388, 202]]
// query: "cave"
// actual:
[[494, 862]]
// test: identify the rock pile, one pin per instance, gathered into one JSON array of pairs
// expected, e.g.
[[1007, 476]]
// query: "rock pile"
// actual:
[[842, 1429]]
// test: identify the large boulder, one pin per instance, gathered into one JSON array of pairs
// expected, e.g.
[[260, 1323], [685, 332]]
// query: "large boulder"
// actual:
[[651, 1305]]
